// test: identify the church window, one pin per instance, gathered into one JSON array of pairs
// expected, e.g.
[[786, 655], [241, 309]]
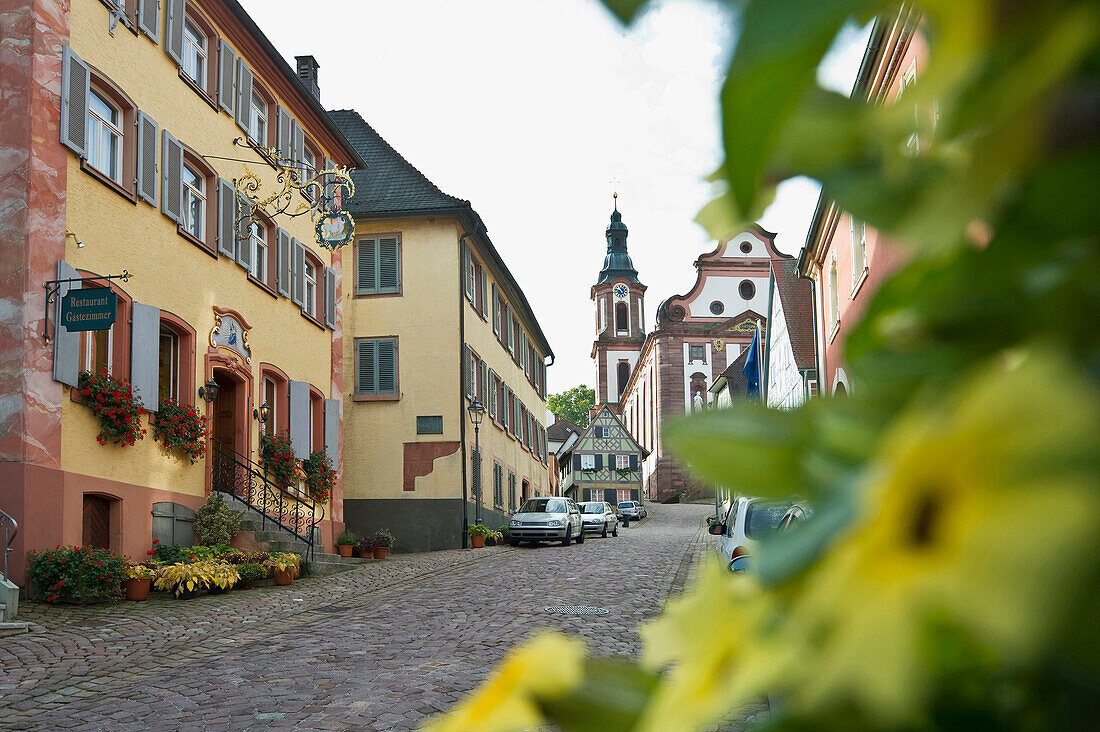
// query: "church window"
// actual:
[[624, 376], [746, 247], [717, 307], [698, 353], [747, 289], [622, 321]]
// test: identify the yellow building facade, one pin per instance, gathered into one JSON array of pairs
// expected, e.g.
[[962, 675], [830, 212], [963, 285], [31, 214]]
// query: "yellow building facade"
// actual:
[[136, 173], [433, 322]]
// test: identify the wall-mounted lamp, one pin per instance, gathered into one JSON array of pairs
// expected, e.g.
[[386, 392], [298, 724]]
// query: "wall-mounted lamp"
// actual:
[[79, 244], [261, 414], [209, 392]]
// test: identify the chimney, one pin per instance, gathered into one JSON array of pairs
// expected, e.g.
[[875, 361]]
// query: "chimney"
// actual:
[[307, 73]]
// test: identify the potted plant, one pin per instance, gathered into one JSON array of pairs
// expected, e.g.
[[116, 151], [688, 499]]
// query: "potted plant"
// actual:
[[320, 476], [366, 547], [184, 581], [215, 526], [223, 577], [285, 566], [494, 538], [383, 541], [477, 533], [277, 457], [139, 580], [250, 573], [346, 541], [77, 574], [181, 428]]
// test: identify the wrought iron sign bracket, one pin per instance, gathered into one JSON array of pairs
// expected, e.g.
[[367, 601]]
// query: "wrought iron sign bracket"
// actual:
[[52, 287]]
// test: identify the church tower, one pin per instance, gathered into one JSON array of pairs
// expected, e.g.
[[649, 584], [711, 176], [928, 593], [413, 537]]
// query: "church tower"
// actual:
[[620, 315]]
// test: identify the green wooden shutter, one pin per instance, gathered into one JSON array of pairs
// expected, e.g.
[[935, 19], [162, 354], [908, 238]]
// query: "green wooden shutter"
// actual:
[[75, 77], [599, 461], [389, 275], [387, 366], [491, 394], [147, 158], [366, 367], [468, 372], [366, 267], [227, 67], [633, 462], [484, 382]]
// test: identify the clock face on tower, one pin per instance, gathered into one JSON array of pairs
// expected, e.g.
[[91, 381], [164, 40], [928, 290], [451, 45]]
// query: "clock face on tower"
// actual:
[[620, 291]]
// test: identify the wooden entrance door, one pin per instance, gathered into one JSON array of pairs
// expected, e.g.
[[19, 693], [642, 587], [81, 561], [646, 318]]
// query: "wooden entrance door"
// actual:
[[97, 521], [225, 412]]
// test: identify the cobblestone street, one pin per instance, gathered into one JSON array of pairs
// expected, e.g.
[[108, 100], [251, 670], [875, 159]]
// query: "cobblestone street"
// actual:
[[379, 647]]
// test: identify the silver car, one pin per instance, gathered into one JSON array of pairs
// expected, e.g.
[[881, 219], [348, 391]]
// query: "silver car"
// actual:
[[546, 519], [599, 518]]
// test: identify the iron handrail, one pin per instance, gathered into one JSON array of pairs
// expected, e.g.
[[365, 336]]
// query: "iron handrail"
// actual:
[[238, 476], [11, 530]]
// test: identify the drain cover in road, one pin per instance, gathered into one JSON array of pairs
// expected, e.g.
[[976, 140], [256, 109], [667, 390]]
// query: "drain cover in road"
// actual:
[[577, 610]]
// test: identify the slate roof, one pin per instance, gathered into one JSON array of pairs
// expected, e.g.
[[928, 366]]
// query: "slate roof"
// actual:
[[796, 294], [390, 184], [736, 381], [559, 431]]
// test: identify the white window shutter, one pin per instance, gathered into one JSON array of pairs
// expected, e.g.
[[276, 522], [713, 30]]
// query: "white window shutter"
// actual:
[[227, 70], [244, 97], [283, 273], [330, 297], [171, 180], [173, 30], [299, 419], [332, 431], [147, 157], [75, 77], [282, 137], [66, 344], [148, 18], [145, 353], [227, 219], [297, 273]]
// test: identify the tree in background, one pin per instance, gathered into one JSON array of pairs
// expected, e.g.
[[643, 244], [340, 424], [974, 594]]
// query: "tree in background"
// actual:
[[573, 404]]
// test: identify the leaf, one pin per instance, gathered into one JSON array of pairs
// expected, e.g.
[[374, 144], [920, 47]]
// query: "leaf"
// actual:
[[625, 10], [611, 697], [722, 218], [782, 556], [780, 46]]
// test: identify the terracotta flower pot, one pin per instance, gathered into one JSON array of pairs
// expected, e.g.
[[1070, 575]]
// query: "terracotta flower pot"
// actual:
[[284, 577], [345, 549], [380, 552], [477, 541], [138, 589]]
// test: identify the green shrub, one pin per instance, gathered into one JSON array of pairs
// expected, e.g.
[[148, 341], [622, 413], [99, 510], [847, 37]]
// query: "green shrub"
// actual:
[[252, 571], [347, 538], [215, 523], [80, 574], [384, 537]]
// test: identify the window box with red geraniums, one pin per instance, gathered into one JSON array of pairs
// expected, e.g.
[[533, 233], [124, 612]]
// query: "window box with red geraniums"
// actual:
[[320, 476], [114, 402], [277, 456], [180, 427]]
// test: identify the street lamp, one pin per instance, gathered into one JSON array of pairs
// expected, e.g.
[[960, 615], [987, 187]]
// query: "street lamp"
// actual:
[[477, 413]]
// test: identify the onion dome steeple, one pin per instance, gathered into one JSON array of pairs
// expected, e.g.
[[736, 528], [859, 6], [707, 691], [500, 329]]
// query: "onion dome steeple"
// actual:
[[617, 264]]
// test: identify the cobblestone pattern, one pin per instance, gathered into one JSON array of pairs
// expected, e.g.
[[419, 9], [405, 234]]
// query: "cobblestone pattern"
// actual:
[[379, 647]]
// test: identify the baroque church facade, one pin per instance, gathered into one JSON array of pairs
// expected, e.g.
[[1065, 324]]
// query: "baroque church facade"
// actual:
[[648, 378]]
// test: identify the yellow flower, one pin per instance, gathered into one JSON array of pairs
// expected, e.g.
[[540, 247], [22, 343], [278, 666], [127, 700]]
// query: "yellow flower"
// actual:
[[982, 512], [547, 666], [721, 641]]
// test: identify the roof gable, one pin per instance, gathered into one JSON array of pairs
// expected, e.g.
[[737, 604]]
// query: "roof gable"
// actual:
[[618, 440]]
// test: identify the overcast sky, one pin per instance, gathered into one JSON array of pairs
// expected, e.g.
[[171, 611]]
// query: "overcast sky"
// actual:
[[536, 111]]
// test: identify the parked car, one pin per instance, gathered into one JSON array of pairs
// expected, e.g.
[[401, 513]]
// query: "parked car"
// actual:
[[546, 519], [632, 510], [747, 521], [599, 517]]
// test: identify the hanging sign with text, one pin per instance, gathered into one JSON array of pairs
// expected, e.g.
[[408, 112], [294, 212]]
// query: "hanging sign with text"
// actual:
[[91, 309]]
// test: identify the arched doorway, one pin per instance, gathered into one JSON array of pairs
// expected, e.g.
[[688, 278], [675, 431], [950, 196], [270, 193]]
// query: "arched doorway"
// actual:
[[224, 415], [97, 521]]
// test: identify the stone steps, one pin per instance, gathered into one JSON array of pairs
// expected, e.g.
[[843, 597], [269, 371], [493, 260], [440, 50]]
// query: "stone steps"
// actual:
[[13, 628], [267, 532], [9, 600], [326, 564]]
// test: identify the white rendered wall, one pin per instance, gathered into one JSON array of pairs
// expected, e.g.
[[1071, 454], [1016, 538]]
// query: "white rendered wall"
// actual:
[[725, 289], [785, 387]]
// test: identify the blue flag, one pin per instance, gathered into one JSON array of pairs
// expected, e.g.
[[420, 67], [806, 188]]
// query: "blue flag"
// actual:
[[752, 366]]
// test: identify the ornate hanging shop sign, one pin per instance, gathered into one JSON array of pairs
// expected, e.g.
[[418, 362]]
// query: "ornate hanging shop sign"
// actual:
[[323, 194]]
